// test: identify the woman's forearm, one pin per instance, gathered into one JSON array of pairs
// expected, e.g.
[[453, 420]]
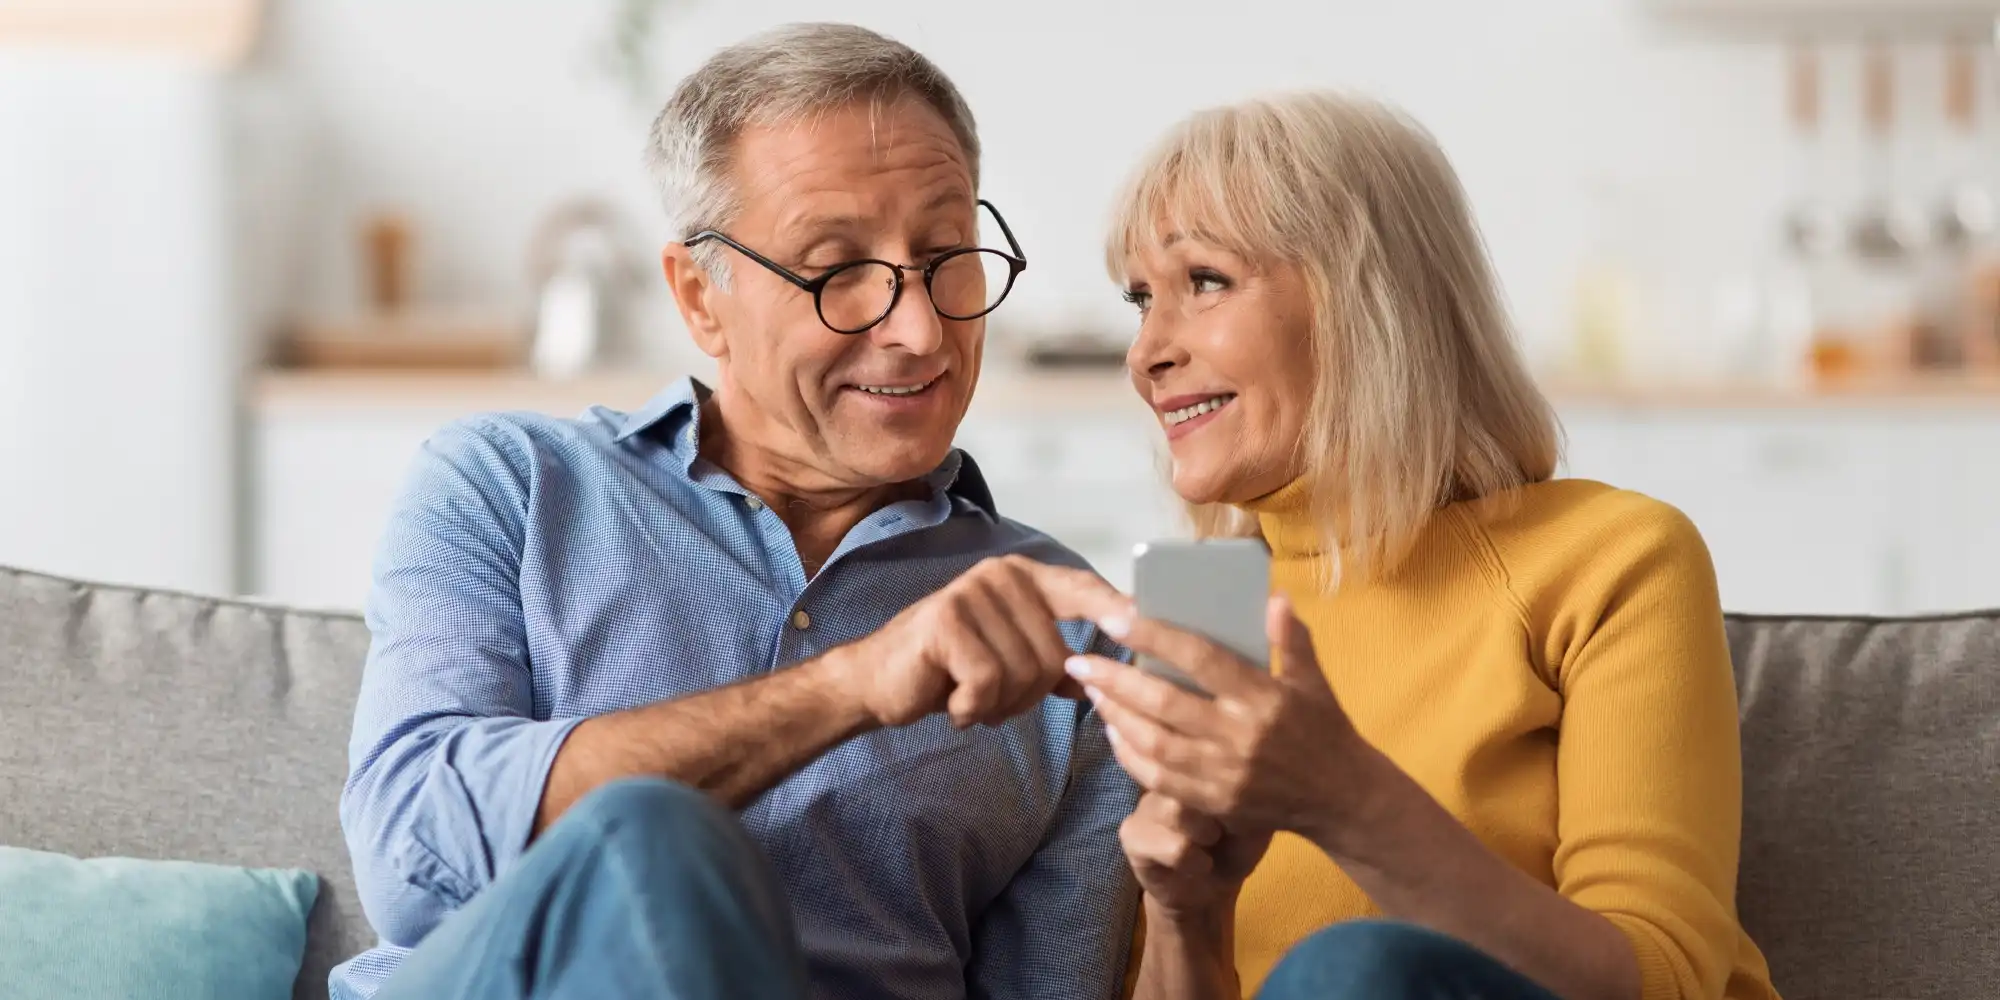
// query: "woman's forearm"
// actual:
[[1188, 957], [1420, 864]]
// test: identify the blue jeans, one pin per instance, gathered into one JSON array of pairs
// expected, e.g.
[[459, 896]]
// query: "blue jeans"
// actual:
[[644, 889], [1383, 960]]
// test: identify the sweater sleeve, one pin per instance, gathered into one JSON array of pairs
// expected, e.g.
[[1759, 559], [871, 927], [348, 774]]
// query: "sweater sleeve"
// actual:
[[1649, 766]]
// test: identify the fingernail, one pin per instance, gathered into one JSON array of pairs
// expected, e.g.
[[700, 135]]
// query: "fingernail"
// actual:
[[1077, 667], [1111, 733], [1093, 694], [1115, 626]]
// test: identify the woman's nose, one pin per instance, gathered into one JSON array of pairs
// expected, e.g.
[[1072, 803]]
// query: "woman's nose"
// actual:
[[1152, 353]]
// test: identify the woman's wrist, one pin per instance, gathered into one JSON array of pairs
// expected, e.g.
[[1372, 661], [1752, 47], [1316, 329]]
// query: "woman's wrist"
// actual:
[[1361, 808]]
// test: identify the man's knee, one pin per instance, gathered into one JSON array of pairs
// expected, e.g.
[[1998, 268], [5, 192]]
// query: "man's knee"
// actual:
[[649, 810], [1368, 958]]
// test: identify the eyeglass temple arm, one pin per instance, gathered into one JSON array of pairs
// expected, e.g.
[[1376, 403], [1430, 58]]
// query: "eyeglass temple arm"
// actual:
[[771, 265], [1007, 231]]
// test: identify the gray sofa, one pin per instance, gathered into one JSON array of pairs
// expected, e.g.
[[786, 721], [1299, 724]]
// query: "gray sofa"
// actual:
[[154, 724]]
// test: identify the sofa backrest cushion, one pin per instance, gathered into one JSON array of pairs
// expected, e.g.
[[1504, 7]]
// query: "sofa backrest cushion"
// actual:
[[1871, 831], [159, 725]]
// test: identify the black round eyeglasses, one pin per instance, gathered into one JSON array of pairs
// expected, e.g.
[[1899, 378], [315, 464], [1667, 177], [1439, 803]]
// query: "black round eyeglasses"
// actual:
[[853, 296]]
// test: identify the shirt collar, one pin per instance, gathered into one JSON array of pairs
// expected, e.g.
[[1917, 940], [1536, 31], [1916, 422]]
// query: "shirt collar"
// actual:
[[676, 411]]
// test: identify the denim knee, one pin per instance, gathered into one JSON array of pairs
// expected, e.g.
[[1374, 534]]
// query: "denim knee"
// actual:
[[649, 808], [1375, 959]]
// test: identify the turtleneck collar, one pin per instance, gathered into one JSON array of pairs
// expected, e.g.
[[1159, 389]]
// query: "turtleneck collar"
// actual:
[[1285, 516]]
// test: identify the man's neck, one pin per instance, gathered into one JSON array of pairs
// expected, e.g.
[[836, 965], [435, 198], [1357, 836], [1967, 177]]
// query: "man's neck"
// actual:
[[818, 510]]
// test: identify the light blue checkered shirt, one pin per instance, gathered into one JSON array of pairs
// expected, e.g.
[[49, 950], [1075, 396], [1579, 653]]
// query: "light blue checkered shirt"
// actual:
[[539, 571]]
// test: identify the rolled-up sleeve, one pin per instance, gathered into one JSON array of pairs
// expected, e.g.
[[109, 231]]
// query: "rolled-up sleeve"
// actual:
[[447, 760]]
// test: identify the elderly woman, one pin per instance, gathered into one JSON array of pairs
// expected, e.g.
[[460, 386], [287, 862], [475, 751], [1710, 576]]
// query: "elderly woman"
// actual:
[[1498, 757]]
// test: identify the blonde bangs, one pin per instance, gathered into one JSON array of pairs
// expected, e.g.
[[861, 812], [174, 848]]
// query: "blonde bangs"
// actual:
[[1193, 184]]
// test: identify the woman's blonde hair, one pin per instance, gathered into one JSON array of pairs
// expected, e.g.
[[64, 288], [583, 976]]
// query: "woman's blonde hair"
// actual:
[[1421, 396]]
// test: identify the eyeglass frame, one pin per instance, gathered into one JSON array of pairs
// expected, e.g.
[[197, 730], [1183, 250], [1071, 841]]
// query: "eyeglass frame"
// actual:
[[1016, 263]]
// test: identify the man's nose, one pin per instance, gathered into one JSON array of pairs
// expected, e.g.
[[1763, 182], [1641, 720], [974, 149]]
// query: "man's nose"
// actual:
[[913, 324]]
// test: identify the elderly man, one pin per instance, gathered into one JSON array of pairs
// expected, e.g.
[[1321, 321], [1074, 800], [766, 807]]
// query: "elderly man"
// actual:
[[759, 671]]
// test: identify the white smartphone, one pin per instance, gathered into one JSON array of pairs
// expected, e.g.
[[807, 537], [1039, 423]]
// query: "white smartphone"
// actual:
[[1217, 588]]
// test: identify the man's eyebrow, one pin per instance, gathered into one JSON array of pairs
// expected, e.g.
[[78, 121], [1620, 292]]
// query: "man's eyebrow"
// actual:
[[822, 226], [806, 233], [947, 196]]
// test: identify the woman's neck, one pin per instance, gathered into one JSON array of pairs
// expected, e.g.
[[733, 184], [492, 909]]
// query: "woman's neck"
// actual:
[[1289, 521]]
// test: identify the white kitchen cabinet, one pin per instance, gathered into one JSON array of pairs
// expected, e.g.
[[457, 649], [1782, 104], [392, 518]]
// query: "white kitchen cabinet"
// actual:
[[324, 483], [1798, 509], [1818, 510], [1953, 520]]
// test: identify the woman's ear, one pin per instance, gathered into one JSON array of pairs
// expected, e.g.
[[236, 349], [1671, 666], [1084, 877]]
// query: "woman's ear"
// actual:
[[695, 292]]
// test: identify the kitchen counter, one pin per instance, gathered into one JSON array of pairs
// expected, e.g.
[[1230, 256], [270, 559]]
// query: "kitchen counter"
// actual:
[[1012, 389]]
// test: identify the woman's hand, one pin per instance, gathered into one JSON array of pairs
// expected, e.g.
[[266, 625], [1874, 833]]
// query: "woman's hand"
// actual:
[[1263, 753], [1190, 867]]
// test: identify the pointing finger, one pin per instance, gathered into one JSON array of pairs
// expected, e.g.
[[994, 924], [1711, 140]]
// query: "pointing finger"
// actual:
[[1077, 593]]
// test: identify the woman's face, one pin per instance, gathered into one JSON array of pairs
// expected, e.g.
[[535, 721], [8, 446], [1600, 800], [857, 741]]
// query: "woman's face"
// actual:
[[1224, 357]]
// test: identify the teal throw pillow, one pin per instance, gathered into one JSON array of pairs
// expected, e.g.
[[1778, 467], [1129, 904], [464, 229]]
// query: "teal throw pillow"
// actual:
[[126, 929]]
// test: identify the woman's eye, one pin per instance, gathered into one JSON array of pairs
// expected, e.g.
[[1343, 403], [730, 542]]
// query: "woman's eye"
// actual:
[[1205, 281], [1137, 298]]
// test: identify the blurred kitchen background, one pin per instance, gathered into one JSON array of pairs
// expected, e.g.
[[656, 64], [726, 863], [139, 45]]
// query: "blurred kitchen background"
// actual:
[[251, 254]]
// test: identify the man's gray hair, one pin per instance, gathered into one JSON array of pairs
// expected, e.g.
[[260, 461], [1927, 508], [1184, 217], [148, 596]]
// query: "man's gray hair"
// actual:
[[789, 74]]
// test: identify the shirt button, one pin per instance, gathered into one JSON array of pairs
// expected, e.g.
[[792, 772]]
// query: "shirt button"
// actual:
[[753, 503], [801, 620]]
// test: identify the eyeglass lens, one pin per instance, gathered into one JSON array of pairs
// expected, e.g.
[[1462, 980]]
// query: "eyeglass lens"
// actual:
[[964, 286]]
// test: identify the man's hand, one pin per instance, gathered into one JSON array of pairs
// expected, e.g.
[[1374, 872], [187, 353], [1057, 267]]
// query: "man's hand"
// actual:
[[985, 648]]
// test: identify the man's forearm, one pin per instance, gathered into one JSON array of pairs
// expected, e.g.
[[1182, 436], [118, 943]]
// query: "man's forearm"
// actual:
[[733, 742]]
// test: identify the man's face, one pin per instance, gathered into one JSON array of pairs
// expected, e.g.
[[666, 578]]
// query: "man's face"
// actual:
[[838, 410]]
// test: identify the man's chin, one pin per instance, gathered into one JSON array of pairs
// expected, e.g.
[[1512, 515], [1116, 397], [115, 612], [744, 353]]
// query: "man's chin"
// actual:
[[897, 465]]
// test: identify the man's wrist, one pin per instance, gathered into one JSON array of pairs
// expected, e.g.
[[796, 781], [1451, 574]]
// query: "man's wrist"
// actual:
[[835, 679], [1208, 928]]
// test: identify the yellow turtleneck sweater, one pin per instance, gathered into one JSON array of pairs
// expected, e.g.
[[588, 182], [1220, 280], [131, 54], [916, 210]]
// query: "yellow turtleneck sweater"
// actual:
[[1556, 675]]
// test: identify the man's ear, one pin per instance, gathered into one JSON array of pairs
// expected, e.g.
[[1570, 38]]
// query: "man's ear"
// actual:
[[694, 292]]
